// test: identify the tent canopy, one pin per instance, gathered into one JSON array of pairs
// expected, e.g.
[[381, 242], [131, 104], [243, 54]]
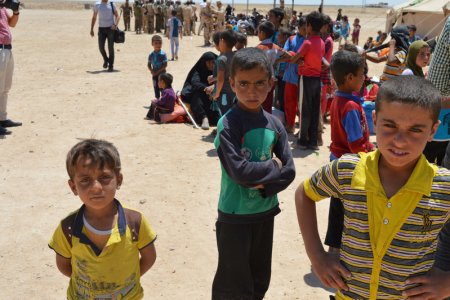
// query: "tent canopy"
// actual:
[[428, 15]]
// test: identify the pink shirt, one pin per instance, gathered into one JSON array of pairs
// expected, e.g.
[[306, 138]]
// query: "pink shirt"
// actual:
[[312, 50], [5, 33]]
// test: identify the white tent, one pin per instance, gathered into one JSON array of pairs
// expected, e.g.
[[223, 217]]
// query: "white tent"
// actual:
[[428, 15]]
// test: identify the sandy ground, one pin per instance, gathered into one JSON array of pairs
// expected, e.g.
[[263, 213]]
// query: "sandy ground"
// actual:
[[171, 172]]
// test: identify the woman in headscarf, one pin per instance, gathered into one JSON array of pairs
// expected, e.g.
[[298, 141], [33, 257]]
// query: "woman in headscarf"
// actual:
[[194, 90], [418, 57]]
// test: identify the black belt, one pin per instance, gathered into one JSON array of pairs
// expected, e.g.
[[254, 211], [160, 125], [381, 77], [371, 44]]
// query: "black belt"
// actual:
[[3, 46]]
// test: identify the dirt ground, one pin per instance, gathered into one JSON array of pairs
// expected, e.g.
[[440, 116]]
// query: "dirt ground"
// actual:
[[171, 172]]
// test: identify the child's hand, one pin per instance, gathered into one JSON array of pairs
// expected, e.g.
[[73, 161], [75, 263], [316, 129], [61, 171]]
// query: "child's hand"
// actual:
[[329, 270], [433, 285], [209, 89]]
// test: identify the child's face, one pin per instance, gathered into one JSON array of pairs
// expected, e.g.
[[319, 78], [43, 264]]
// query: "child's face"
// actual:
[[281, 39], [302, 30], [161, 84], [261, 35], [251, 88], [273, 19], [354, 82], [309, 29], [96, 187], [157, 45], [402, 133], [423, 57]]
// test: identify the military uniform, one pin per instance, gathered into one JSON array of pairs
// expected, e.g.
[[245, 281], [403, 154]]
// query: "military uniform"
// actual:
[[159, 17], [126, 10], [208, 22], [167, 14], [220, 17], [145, 17], [193, 18], [150, 17], [187, 18], [137, 9]]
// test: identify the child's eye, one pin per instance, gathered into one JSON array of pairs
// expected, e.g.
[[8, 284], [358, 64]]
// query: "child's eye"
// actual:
[[85, 180], [417, 130], [389, 125]]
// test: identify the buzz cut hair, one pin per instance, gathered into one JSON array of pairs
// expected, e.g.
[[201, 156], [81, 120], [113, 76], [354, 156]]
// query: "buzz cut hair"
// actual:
[[412, 90], [248, 59], [100, 153]]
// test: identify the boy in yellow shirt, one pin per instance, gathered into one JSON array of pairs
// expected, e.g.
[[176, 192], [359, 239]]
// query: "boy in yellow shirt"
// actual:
[[103, 247], [395, 203]]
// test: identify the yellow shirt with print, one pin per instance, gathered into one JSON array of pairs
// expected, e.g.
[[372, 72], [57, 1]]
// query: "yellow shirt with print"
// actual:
[[114, 273], [385, 216]]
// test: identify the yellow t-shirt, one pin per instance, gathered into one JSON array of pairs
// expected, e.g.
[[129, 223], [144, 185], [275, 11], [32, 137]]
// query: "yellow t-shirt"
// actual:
[[112, 273]]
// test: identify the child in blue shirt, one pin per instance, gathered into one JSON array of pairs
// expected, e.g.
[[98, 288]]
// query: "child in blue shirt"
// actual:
[[157, 62]]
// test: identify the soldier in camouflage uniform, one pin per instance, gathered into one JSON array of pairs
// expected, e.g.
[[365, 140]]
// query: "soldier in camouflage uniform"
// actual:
[[187, 18], [220, 17], [208, 14], [145, 16], [167, 14], [126, 11], [151, 17], [159, 17], [179, 11], [137, 9], [193, 16]]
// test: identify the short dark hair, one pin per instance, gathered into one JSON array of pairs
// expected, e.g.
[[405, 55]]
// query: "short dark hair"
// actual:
[[267, 28], [174, 13], [100, 153], [315, 20], [278, 12], [412, 90], [216, 37], [167, 78], [156, 38], [248, 59], [344, 62], [241, 38], [229, 37], [301, 21]]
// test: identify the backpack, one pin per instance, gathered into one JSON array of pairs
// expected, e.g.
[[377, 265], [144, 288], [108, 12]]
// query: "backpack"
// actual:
[[132, 217]]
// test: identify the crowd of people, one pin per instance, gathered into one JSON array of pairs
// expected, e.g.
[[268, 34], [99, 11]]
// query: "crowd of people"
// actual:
[[388, 231]]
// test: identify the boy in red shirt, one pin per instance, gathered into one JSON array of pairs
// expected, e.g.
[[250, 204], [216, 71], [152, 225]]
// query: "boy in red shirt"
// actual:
[[309, 58], [349, 129]]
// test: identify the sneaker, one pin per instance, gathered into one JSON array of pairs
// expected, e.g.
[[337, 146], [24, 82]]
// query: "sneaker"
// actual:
[[205, 124], [4, 131], [10, 123], [105, 65]]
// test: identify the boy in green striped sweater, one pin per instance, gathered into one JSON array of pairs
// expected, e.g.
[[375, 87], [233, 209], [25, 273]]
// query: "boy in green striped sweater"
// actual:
[[395, 204]]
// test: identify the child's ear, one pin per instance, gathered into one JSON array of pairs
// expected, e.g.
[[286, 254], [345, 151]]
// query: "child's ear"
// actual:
[[119, 180], [72, 187], [433, 130], [232, 84]]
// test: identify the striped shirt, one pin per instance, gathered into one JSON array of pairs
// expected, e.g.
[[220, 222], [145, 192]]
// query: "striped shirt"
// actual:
[[439, 72], [396, 67], [385, 241]]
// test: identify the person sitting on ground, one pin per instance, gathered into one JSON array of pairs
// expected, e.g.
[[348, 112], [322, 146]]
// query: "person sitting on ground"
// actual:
[[166, 103], [395, 204], [241, 41], [193, 91], [369, 43], [412, 33]]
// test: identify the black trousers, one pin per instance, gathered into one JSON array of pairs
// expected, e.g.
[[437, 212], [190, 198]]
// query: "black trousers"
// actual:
[[245, 260], [106, 33], [310, 111], [335, 223], [201, 107], [156, 87], [435, 151]]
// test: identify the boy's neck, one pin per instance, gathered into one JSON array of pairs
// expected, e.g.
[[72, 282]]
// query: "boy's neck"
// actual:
[[228, 50], [154, 50], [104, 214], [314, 34], [347, 90], [394, 178]]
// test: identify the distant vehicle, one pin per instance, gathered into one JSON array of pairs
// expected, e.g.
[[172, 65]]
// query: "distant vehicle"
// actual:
[[379, 4]]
